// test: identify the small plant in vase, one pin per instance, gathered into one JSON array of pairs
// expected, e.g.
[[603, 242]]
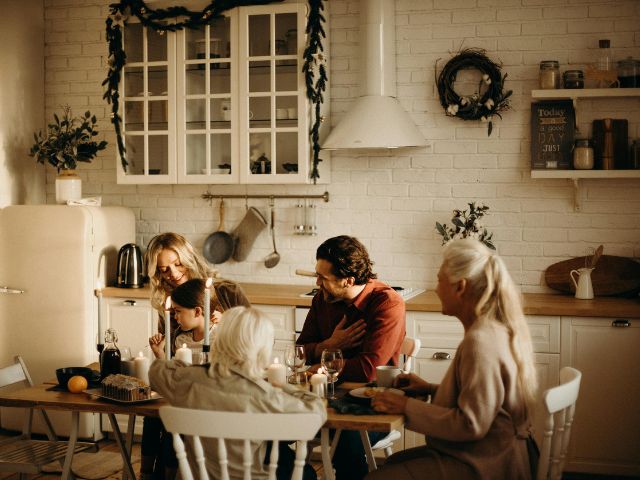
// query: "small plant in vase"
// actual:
[[68, 140], [466, 223]]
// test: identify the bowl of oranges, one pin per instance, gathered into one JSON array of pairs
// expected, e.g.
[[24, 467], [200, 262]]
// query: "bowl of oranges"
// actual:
[[65, 375]]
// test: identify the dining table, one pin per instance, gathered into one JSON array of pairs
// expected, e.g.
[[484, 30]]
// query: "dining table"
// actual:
[[44, 397]]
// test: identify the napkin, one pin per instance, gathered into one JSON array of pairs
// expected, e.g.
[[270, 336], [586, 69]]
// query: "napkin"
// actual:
[[89, 201], [343, 405]]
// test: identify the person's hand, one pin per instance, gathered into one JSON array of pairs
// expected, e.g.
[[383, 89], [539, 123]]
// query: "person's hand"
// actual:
[[387, 402], [156, 343], [412, 384], [345, 338], [215, 317]]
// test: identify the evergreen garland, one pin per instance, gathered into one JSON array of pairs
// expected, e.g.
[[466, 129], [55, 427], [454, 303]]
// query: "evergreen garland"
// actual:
[[158, 20]]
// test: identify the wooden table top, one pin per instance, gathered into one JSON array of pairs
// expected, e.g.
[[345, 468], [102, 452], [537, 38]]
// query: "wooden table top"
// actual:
[[40, 396]]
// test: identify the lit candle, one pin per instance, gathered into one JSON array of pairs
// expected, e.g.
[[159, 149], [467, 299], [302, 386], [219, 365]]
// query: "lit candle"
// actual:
[[207, 313], [318, 383], [184, 354], [277, 373], [167, 328], [98, 292], [141, 367]]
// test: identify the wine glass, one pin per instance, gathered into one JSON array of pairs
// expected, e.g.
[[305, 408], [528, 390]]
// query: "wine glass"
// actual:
[[332, 362], [295, 359]]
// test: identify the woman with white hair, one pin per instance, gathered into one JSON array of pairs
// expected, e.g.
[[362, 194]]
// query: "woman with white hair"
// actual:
[[234, 382], [478, 422]]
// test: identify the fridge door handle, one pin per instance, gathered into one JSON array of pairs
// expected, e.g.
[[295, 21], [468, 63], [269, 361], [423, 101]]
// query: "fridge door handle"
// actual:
[[10, 290]]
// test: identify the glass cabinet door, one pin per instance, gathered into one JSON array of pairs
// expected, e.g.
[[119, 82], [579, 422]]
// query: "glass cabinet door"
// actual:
[[273, 146], [146, 108], [207, 110]]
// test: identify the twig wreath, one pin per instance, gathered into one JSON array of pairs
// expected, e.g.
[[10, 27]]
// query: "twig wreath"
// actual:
[[489, 100], [181, 18]]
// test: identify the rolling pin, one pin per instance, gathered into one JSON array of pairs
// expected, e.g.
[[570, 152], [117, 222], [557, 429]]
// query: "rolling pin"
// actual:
[[306, 273]]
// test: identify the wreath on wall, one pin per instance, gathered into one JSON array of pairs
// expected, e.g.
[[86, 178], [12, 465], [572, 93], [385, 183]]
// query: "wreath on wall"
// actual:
[[171, 19], [489, 100]]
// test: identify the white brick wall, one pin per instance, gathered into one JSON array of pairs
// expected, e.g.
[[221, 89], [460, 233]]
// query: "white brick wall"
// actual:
[[392, 201]]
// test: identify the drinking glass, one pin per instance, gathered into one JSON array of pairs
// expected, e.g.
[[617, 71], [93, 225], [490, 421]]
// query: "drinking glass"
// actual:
[[332, 362], [295, 359]]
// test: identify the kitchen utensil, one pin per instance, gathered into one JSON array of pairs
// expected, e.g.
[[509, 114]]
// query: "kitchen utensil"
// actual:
[[306, 273], [613, 275], [584, 287], [596, 256], [274, 257], [218, 247], [130, 267], [246, 232]]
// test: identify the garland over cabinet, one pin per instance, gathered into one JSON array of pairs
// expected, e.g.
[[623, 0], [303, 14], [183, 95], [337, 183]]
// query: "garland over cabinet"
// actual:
[[221, 104]]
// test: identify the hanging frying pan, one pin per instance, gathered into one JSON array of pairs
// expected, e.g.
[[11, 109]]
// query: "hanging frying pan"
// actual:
[[218, 247]]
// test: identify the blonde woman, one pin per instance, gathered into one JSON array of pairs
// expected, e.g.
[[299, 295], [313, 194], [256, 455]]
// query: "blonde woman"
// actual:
[[171, 261], [478, 422], [234, 382]]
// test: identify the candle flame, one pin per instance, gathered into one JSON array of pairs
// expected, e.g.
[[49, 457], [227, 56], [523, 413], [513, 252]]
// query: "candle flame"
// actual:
[[140, 354], [209, 282], [275, 360], [167, 303], [184, 345]]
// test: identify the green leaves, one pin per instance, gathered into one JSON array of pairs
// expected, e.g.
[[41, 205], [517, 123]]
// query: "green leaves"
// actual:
[[466, 223], [67, 141]]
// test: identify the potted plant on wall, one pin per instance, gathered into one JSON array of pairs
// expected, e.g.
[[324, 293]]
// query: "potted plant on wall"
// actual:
[[68, 140]]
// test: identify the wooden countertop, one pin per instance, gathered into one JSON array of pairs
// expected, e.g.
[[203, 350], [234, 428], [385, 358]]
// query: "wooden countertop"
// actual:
[[534, 303]]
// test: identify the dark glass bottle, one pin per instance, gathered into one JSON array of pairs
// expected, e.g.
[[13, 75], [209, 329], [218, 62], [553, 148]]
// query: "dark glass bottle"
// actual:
[[110, 356]]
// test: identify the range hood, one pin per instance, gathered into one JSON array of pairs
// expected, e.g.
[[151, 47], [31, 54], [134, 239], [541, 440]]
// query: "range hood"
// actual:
[[376, 120]]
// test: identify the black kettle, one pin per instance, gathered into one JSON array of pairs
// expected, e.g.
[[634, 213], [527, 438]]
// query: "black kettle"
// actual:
[[130, 267]]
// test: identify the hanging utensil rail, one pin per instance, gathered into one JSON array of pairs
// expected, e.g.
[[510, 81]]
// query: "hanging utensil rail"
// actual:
[[211, 196]]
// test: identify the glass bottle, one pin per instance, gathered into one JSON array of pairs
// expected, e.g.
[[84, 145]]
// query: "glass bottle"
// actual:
[[110, 356], [604, 55], [549, 74]]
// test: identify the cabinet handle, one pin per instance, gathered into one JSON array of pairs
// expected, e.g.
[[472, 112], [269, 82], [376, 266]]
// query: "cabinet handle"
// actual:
[[441, 356], [131, 303], [620, 322]]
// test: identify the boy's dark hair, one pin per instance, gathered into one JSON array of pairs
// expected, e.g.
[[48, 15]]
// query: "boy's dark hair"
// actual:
[[348, 257], [190, 294]]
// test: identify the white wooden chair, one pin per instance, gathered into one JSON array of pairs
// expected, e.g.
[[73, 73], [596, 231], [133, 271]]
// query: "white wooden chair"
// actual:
[[238, 426], [410, 348], [21, 454], [560, 403]]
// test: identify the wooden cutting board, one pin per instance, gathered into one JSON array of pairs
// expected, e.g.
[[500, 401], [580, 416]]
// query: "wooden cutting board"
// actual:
[[612, 276]]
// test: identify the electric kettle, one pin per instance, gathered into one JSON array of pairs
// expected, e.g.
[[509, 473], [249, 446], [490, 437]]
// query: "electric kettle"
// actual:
[[130, 267]]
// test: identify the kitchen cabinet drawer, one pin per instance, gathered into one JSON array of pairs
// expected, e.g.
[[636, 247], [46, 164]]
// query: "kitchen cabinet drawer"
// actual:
[[545, 333], [283, 319]]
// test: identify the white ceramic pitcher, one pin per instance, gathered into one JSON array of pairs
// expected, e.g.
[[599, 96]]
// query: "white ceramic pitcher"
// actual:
[[584, 287]]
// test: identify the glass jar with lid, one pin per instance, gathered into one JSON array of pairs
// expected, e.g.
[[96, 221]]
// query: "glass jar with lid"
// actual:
[[549, 74], [583, 154], [629, 73], [573, 79]]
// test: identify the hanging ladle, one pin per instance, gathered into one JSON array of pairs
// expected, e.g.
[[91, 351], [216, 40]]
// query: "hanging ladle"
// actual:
[[274, 257]]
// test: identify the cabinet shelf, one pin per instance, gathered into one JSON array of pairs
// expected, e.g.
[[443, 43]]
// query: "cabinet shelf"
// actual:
[[575, 93], [577, 174]]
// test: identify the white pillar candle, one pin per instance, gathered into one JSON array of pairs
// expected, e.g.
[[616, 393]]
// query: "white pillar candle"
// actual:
[[167, 328], [184, 354], [277, 373], [207, 312], [98, 293], [141, 367], [318, 383]]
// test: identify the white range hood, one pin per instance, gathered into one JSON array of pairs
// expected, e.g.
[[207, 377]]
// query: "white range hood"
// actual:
[[376, 120]]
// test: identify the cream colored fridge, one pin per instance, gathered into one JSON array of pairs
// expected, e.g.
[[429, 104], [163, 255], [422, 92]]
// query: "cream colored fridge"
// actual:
[[51, 257]]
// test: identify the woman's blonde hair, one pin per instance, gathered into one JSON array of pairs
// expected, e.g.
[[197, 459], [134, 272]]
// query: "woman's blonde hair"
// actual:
[[244, 339], [498, 298], [196, 266]]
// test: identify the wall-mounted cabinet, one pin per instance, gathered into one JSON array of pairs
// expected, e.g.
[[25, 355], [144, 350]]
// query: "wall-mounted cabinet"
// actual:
[[222, 104]]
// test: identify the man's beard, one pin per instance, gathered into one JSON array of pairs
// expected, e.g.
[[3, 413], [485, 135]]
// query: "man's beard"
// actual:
[[329, 297]]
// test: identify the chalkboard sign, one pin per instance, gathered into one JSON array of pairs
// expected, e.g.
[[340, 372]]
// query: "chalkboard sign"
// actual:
[[553, 125]]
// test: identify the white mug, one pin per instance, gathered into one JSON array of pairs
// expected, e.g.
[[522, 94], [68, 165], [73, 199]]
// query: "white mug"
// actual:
[[385, 375]]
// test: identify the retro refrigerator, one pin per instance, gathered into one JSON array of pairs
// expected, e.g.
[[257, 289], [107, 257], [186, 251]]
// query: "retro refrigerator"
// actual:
[[51, 258]]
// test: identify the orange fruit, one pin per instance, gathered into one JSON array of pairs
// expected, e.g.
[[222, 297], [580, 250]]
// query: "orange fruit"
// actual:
[[77, 384]]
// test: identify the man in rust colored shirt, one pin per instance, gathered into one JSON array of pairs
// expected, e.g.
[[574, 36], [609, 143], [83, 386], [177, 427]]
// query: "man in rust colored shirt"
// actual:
[[361, 316]]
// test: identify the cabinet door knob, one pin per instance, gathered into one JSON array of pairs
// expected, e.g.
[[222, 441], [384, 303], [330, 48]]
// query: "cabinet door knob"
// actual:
[[131, 303], [441, 356], [620, 322]]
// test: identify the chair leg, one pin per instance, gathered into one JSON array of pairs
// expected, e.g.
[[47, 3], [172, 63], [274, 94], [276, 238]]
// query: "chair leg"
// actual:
[[371, 461]]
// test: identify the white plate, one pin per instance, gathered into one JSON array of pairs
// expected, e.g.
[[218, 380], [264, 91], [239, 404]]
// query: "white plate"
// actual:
[[362, 391], [97, 392]]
